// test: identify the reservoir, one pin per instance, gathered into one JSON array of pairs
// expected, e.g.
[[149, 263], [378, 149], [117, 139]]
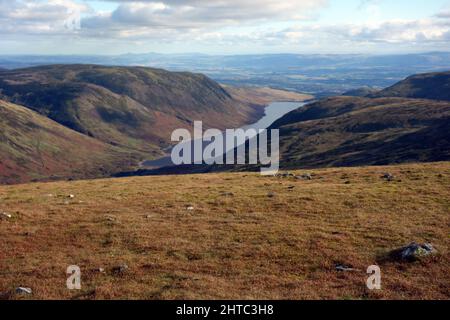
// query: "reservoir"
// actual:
[[273, 112]]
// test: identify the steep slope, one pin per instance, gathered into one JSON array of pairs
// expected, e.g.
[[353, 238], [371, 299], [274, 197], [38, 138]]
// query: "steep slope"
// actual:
[[434, 86], [132, 107], [33, 147], [346, 131]]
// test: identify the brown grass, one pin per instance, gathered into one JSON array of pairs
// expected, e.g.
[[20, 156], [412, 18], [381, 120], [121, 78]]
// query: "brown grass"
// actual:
[[243, 245], [265, 95]]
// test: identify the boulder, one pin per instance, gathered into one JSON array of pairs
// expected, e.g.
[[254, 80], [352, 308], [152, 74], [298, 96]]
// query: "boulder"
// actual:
[[413, 252]]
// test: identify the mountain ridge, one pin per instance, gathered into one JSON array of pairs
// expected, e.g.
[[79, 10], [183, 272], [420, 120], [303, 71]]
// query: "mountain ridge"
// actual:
[[435, 86]]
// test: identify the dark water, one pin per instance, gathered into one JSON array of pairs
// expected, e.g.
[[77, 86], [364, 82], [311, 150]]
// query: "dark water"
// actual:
[[273, 112]]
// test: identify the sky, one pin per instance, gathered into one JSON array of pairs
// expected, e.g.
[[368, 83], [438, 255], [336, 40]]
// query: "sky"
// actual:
[[223, 26]]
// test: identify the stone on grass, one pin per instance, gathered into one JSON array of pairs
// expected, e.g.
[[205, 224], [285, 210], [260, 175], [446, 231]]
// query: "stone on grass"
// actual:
[[189, 208], [388, 177], [413, 252], [111, 218], [121, 269], [5, 215], [345, 268], [307, 176], [23, 290]]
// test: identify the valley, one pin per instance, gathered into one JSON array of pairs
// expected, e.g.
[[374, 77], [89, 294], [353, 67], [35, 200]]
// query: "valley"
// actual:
[[127, 113]]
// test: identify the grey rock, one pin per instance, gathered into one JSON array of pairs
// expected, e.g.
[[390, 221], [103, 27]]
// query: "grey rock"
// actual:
[[344, 268], [415, 251], [5, 215], [121, 269], [23, 290]]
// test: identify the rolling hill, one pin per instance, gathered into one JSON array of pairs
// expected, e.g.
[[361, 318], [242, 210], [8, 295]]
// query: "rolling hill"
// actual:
[[348, 131], [33, 147], [131, 107], [434, 86], [94, 121], [408, 122]]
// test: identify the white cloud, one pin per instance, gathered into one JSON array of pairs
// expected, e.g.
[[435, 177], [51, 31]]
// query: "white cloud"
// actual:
[[219, 23], [36, 16]]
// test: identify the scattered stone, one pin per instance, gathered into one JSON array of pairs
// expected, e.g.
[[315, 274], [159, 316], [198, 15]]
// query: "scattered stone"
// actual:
[[121, 269], [111, 218], [100, 270], [413, 252], [285, 175], [305, 176], [149, 216], [71, 196], [189, 208], [5, 215], [389, 177], [23, 290], [345, 268]]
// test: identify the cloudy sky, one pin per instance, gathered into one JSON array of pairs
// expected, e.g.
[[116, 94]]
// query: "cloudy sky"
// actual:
[[223, 26]]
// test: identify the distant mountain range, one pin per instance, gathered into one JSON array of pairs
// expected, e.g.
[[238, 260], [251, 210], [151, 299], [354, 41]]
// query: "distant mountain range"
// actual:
[[318, 74]]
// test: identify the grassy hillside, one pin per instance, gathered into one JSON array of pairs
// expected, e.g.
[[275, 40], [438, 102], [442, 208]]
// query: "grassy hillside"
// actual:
[[347, 131], [423, 86], [125, 115], [247, 237], [131, 107], [35, 147], [264, 96], [361, 92]]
